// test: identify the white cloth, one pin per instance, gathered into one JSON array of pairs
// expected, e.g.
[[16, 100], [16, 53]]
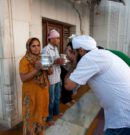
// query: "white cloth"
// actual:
[[109, 78], [53, 52], [84, 41]]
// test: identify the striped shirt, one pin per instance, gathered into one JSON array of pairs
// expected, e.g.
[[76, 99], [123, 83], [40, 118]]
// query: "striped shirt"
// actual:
[[53, 52]]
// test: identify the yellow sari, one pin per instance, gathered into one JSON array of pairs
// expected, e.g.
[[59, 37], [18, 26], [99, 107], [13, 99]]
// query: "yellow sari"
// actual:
[[35, 100], [35, 95]]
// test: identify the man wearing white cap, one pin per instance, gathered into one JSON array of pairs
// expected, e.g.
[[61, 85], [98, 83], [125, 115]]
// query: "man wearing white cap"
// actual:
[[109, 77], [55, 82]]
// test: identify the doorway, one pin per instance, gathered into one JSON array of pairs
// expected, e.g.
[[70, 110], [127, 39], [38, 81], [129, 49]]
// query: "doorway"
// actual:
[[64, 29]]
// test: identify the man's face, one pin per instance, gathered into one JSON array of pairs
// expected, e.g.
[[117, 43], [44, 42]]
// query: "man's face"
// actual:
[[55, 41], [81, 51], [71, 55]]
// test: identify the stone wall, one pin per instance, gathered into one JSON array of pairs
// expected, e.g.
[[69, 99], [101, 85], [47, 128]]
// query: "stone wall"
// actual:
[[111, 25], [19, 20]]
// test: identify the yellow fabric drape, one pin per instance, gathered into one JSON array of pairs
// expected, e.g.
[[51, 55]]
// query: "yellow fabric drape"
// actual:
[[35, 100]]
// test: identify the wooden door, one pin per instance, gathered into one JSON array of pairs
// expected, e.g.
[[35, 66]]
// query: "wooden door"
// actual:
[[63, 29], [51, 26]]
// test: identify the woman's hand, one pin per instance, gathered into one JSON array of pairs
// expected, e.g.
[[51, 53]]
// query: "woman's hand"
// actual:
[[38, 65]]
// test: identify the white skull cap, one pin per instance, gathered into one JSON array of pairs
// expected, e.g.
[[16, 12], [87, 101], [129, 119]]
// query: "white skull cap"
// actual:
[[84, 41]]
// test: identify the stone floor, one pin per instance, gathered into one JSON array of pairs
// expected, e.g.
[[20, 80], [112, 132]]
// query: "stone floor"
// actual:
[[95, 129], [69, 122], [78, 118], [15, 131], [97, 126]]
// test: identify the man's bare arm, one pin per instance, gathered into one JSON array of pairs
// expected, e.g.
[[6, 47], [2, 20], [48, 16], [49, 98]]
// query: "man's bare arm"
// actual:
[[69, 84]]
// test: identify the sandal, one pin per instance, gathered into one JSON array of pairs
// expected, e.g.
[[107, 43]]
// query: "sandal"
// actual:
[[51, 123], [60, 115]]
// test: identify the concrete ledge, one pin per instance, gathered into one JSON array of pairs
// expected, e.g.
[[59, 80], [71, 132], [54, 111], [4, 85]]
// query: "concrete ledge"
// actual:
[[78, 118]]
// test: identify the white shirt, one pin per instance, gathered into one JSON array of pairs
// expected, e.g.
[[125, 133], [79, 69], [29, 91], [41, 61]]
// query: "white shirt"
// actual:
[[109, 78], [53, 52]]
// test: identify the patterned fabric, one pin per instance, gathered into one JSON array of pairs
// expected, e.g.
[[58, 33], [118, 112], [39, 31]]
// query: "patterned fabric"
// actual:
[[35, 100], [53, 52], [33, 128], [41, 77], [35, 95]]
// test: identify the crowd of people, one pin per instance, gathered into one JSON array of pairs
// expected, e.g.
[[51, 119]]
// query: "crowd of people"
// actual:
[[42, 89]]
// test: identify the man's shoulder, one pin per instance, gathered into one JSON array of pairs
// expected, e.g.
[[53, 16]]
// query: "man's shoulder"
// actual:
[[47, 47], [98, 56]]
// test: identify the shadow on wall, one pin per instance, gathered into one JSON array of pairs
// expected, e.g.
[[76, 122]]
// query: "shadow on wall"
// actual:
[[129, 50]]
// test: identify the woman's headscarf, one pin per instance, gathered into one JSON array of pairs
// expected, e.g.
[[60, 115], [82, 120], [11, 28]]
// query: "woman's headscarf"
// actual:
[[41, 76], [31, 57]]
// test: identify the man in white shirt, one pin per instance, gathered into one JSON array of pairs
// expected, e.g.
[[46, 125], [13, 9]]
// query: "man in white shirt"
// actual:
[[55, 82], [109, 78]]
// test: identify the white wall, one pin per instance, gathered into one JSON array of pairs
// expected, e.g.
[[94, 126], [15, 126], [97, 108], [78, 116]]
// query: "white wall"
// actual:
[[1, 32], [19, 20], [111, 26], [63, 11]]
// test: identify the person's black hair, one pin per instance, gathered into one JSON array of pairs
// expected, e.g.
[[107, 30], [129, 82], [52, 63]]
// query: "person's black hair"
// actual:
[[100, 47], [70, 45]]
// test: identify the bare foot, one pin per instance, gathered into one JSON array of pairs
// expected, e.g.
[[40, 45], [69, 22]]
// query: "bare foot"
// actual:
[[68, 104], [73, 101]]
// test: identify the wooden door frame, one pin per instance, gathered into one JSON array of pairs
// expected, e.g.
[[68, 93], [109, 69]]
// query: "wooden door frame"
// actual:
[[46, 22], [61, 33]]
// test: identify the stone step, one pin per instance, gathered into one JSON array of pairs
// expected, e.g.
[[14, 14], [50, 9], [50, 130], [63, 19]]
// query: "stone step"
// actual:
[[77, 119]]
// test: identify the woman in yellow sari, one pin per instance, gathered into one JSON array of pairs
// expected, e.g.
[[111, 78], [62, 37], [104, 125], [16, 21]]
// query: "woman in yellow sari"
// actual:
[[35, 97]]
